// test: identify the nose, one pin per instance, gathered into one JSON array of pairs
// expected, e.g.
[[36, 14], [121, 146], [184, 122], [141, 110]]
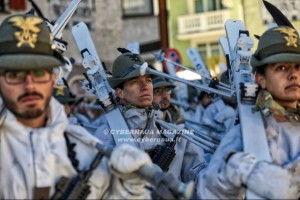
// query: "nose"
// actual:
[[145, 84], [29, 84], [294, 72], [165, 94]]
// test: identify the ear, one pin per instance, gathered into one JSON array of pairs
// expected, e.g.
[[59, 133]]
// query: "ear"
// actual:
[[119, 93], [53, 79], [261, 80]]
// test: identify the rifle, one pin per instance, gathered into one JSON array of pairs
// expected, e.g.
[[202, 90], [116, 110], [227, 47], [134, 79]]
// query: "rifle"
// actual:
[[77, 187], [152, 173], [203, 143], [163, 155]]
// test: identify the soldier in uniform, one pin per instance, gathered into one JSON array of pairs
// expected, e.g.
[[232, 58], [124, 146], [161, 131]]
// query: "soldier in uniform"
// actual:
[[219, 117], [63, 95], [37, 145], [162, 89], [135, 95], [276, 63]]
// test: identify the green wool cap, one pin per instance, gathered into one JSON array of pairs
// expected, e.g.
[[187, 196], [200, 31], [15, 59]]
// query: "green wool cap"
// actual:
[[126, 66], [26, 44], [277, 45]]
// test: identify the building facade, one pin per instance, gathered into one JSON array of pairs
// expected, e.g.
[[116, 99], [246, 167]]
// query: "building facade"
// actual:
[[112, 24], [200, 23]]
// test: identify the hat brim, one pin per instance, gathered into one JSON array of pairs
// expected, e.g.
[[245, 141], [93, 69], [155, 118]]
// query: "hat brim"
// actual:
[[114, 82], [29, 62], [163, 84], [277, 58]]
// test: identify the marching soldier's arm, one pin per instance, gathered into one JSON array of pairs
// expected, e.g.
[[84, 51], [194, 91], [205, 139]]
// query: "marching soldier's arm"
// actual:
[[231, 171], [212, 182]]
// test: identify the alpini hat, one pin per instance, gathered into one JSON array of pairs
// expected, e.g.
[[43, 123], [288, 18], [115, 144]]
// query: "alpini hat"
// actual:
[[126, 66], [278, 44], [26, 43], [162, 82], [63, 94]]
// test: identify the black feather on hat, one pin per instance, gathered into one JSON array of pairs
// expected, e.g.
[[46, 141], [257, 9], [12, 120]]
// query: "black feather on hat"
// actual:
[[278, 44], [279, 18]]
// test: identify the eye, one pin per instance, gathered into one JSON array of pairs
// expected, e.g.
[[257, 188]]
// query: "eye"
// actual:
[[15, 74], [281, 68], [133, 81], [39, 73]]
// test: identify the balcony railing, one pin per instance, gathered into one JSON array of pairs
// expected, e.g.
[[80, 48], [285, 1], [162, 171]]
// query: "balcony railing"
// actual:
[[202, 22]]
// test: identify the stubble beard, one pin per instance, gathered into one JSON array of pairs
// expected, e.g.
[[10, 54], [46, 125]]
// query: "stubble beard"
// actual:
[[29, 113]]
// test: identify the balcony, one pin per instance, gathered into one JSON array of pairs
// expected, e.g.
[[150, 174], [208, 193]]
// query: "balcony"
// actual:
[[202, 22]]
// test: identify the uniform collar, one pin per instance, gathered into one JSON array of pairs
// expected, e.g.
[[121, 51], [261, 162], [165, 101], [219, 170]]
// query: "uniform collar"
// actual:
[[267, 105]]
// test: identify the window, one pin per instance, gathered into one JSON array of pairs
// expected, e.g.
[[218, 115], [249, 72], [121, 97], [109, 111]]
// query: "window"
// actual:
[[134, 8], [215, 50], [3, 6], [85, 12], [202, 51], [7, 5], [211, 54], [290, 8], [18, 5], [199, 6], [207, 5]]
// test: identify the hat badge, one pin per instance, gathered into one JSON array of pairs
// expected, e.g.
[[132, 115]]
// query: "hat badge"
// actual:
[[134, 57], [59, 90], [28, 34], [291, 37]]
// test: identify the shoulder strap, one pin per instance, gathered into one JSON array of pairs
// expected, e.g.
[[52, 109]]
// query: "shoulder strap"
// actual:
[[71, 152], [2, 113]]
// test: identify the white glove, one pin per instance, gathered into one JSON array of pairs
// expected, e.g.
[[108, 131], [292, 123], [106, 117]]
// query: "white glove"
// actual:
[[272, 182], [265, 179], [124, 161], [238, 168]]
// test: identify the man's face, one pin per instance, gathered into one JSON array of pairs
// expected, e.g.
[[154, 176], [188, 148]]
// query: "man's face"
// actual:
[[162, 97], [28, 99], [137, 91], [206, 100], [282, 80]]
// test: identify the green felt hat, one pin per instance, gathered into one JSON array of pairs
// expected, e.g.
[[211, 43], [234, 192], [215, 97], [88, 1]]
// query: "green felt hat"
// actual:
[[126, 66], [26, 44], [63, 94], [277, 45], [161, 82]]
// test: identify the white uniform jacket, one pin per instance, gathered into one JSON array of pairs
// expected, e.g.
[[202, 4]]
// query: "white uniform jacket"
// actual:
[[189, 158], [284, 146], [38, 157]]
